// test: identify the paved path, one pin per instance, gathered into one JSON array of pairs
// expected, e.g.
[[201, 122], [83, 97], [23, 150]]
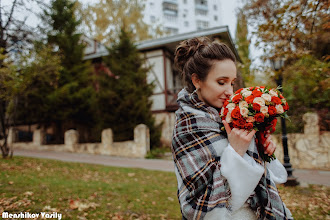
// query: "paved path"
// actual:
[[303, 176]]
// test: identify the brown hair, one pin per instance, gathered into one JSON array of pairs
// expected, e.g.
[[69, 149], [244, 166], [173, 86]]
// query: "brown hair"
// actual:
[[197, 55]]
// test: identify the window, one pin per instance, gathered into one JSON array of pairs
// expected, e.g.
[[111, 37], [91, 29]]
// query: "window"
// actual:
[[171, 31], [186, 23], [185, 1], [215, 7], [152, 19], [202, 24], [201, 12], [215, 17]]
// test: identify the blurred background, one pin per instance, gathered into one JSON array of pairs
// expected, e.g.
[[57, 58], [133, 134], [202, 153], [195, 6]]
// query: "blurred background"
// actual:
[[89, 65]]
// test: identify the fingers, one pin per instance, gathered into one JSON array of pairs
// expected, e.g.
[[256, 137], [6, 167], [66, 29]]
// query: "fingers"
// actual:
[[251, 134], [227, 127], [270, 148]]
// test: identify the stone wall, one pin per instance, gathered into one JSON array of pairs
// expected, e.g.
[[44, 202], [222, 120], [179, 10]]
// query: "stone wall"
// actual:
[[310, 150], [137, 148]]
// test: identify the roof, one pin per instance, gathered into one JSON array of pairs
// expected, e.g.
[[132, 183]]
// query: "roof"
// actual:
[[95, 49], [171, 42]]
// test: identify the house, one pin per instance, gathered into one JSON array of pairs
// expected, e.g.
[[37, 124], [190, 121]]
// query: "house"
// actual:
[[159, 55]]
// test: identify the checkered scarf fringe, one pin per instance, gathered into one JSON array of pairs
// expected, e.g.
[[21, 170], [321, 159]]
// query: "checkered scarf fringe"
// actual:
[[197, 127]]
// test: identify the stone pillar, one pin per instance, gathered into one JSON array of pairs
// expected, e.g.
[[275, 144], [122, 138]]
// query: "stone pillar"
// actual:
[[107, 141], [71, 139], [38, 137], [12, 136], [142, 140], [311, 126]]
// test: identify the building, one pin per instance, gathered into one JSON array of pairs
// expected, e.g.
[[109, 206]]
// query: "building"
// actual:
[[159, 54], [182, 16]]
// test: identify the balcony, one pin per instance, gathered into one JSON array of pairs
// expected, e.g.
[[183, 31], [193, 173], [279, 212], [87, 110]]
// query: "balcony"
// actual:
[[171, 1], [202, 7]]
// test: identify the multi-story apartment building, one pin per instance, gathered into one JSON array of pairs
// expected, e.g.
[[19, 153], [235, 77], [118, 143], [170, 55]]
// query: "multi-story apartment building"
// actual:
[[181, 16]]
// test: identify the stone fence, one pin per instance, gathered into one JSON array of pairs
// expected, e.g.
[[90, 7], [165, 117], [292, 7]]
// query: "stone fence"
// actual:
[[137, 148], [309, 150]]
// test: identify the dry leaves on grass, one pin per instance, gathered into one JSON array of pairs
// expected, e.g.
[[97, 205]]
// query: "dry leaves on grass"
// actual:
[[306, 202], [82, 205]]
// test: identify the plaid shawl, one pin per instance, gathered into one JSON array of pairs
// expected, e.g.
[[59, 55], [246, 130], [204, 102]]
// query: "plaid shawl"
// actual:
[[197, 128]]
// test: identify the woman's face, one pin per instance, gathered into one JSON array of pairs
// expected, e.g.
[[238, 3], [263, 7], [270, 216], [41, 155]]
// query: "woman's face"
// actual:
[[218, 85]]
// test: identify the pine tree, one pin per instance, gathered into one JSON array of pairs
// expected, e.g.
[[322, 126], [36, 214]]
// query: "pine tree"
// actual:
[[74, 98], [124, 100]]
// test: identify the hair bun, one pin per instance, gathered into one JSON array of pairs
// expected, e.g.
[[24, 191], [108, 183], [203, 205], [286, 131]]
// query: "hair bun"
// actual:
[[187, 49]]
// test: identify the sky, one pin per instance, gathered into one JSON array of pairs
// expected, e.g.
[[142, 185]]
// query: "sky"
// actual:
[[228, 15]]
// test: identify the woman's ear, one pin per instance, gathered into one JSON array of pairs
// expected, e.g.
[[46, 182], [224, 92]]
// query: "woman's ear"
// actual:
[[195, 80]]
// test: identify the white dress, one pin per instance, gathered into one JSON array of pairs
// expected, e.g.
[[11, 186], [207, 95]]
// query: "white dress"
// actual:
[[243, 175]]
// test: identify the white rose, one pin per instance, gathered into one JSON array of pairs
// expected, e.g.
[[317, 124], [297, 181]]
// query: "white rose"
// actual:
[[244, 112], [246, 94], [250, 119], [243, 104], [222, 110], [244, 90], [273, 93], [259, 101], [267, 97], [283, 101], [279, 109], [228, 118], [231, 106], [264, 110]]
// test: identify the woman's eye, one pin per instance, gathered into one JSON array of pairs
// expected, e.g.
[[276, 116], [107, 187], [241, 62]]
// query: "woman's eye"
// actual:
[[232, 84], [221, 82]]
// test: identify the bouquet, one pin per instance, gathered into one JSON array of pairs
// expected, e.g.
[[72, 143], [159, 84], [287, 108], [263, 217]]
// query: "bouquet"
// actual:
[[255, 108]]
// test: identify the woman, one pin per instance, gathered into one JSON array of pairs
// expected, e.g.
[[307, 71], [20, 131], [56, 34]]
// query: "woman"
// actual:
[[220, 175]]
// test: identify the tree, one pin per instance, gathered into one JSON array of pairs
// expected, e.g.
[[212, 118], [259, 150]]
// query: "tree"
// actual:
[[243, 43], [105, 19], [72, 101], [290, 28], [124, 101], [15, 37], [310, 93], [299, 32]]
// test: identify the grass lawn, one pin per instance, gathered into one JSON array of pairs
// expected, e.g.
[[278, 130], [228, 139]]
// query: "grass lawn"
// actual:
[[84, 191]]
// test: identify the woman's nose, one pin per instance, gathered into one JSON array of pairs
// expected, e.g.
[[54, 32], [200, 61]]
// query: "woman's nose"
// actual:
[[229, 91]]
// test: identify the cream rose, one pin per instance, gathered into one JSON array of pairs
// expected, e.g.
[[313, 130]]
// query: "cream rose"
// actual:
[[267, 97], [250, 119], [243, 104], [245, 90], [264, 110], [231, 106], [244, 112], [229, 118], [259, 101], [246, 94], [279, 109], [273, 93]]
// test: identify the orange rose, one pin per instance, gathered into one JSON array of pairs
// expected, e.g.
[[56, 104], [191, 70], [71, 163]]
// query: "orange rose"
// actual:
[[236, 113], [259, 117], [272, 110], [249, 99], [276, 100], [238, 91], [256, 107], [256, 93], [249, 126], [237, 98]]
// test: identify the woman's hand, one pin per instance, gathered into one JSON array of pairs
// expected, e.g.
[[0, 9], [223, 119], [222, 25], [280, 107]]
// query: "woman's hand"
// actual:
[[269, 145], [239, 139]]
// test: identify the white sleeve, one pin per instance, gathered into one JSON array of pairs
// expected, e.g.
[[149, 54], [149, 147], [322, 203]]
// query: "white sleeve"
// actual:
[[277, 171], [242, 175]]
